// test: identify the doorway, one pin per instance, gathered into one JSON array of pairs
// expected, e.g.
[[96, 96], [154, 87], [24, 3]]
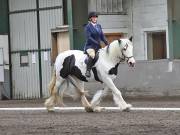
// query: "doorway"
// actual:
[[156, 45]]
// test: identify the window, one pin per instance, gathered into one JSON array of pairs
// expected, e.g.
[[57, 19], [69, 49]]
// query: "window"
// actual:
[[156, 45], [109, 6]]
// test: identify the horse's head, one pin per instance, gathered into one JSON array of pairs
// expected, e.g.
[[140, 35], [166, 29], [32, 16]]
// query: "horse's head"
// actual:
[[127, 51]]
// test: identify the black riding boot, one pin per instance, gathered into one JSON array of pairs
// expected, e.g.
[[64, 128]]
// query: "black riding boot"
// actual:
[[89, 67]]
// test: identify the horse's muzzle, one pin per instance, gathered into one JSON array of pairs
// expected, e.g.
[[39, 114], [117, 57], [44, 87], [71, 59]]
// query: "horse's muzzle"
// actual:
[[131, 62]]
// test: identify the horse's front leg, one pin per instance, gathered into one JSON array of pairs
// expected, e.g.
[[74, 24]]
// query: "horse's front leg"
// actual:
[[117, 96]]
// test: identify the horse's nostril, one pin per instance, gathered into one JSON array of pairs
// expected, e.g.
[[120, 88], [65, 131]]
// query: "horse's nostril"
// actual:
[[131, 64]]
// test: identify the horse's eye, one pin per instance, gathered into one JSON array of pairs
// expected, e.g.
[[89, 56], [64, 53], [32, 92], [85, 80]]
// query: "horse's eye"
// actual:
[[125, 47]]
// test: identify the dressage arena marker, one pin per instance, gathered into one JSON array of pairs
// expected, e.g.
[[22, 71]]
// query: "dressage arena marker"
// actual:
[[82, 109]]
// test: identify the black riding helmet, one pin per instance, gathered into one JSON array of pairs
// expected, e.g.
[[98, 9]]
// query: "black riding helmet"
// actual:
[[92, 14]]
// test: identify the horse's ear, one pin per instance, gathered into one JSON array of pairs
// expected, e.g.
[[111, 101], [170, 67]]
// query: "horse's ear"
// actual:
[[119, 40], [131, 38]]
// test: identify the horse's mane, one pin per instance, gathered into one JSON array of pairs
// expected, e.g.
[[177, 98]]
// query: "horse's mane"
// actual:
[[112, 50]]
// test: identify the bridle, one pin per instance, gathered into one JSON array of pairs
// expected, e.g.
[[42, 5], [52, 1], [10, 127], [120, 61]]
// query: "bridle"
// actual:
[[124, 57], [121, 59]]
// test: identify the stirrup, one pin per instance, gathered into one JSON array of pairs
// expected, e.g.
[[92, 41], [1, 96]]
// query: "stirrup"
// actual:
[[88, 73]]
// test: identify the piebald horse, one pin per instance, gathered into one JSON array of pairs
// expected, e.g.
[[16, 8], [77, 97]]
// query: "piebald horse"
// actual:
[[69, 75]]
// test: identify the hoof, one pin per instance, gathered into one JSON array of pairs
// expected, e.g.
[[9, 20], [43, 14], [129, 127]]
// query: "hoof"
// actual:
[[89, 109], [50, 109], [127, 108], [98, 109]]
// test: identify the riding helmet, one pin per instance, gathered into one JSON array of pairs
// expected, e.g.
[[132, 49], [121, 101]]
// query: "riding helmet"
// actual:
[[92, 14]]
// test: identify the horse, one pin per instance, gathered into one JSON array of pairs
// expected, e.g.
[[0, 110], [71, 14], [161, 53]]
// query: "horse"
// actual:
[[69, 75]]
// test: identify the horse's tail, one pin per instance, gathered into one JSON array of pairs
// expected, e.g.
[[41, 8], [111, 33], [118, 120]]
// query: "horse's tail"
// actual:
[[52, 82]]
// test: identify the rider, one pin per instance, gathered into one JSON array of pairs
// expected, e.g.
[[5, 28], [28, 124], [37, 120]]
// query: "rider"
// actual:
[[94, 35]]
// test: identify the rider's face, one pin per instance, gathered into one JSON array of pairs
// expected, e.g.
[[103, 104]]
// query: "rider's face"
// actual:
[[94, 19]]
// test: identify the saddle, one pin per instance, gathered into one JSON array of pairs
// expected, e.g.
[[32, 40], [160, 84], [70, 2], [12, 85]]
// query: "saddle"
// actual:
[[94, 60], [94, 68]]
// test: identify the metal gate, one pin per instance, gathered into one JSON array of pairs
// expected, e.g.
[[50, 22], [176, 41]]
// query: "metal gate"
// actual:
[[31, 22]]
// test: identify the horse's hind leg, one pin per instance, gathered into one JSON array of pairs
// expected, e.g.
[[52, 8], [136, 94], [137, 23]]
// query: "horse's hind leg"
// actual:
[[79, 85], [54, 95], [51, 101], [97, 99]]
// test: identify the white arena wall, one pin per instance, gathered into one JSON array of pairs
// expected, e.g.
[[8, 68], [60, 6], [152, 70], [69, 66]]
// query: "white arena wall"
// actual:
[[158, 78]]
